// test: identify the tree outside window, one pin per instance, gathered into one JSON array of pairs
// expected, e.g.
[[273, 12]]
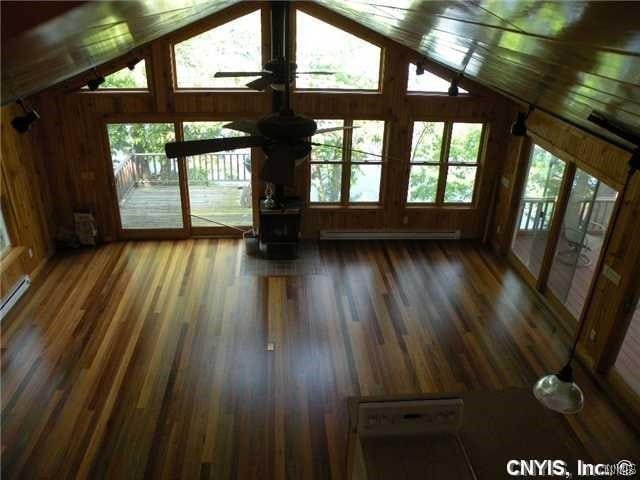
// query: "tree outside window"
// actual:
[[350, 169], [444, 162]]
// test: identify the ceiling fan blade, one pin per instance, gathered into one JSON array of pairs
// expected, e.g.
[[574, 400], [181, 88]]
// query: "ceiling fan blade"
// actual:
[[198, 147], [245, 126], [353, 150], [334, 129], [239, 74], [260, 83], [316, 73]]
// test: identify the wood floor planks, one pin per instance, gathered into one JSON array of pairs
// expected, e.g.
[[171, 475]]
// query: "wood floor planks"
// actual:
[[149, 359]]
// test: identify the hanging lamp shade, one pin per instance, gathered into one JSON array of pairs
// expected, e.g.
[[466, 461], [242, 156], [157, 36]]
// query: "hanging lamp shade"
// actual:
[[559, 392]]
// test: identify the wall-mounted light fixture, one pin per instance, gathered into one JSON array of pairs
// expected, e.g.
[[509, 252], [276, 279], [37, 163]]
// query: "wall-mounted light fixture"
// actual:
[[23, 123], [419, 68]]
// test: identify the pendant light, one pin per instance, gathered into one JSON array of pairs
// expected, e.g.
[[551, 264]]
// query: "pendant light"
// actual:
[[560, 392]]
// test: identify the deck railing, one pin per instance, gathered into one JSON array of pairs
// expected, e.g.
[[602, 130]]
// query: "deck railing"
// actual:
[[536, 213], [156, 168]]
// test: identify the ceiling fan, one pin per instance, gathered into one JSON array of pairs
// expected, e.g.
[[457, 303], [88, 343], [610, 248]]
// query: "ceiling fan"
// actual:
[[284, 135], [273, 73]]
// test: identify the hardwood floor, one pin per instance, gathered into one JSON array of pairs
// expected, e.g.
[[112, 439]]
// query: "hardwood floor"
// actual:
[[149, 359]]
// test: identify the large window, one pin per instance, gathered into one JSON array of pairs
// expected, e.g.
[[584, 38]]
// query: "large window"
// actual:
[[322, 47], [444, 161], [347, 168], [234, 46], [427, 82]]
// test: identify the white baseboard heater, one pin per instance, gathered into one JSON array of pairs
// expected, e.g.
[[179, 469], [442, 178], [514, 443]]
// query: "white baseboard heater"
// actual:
[[21, 286], [386, 235]]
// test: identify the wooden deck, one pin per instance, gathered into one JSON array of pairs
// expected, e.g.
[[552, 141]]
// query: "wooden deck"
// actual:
[[628, 361], [158, 206], [149, 359], [531, 252]]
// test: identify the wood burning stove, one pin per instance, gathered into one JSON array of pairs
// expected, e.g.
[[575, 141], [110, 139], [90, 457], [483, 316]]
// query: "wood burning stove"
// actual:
[[280, 228]]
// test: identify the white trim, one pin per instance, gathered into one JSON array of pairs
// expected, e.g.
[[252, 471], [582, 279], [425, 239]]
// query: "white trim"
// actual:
[[21, 286]]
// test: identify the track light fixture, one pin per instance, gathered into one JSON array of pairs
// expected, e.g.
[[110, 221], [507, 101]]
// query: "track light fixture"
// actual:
[[132, 63], [519, 127], [453, 88], [95, 83], [23, 123], [419, 68]]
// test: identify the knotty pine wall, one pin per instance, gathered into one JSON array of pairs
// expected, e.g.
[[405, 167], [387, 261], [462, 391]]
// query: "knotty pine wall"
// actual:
[[77, 149], [26, 201]]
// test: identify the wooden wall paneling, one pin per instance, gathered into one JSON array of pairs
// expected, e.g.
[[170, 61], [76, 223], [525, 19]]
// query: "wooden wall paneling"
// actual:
[[82, 171], [26, 198], [611, 304]]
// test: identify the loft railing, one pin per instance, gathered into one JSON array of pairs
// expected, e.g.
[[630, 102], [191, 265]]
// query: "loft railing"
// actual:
[[156, 168], [536, 214]]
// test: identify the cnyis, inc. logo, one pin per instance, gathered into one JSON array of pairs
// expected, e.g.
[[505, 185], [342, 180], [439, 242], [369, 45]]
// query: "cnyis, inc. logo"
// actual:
[[559, 468]]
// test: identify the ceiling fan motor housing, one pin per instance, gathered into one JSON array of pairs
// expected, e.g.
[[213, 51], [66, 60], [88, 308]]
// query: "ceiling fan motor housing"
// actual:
[[286, 126]]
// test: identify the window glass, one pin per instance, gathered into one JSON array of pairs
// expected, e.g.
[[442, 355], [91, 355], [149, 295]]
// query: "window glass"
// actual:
[[147, 182], [219, 183], [323, 47], [234, 47], [127, 79]]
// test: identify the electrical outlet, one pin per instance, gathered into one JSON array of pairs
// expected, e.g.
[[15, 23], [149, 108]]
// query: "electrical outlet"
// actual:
[[611, 274], [31, 253], [592, 335], [505, 182], [405, 219], [499, 229]]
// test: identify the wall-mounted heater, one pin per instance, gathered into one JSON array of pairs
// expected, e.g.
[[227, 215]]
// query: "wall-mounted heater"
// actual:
[[388, 235], [21, 286]]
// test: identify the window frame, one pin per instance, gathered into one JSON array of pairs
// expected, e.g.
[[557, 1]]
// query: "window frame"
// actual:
[[293, 26], [444, 163], [346, 163]]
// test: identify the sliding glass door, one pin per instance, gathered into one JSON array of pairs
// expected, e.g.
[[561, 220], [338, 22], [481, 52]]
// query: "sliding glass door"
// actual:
[[563, 218], [162, 197], [147, 183], [219, 183], [537, 208], [584, 224]]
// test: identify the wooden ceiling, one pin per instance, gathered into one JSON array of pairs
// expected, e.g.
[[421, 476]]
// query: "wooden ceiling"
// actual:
[[568, 58], [64, 40]]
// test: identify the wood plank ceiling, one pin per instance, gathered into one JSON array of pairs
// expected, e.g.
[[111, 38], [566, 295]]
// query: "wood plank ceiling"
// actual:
[[568, 58]]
